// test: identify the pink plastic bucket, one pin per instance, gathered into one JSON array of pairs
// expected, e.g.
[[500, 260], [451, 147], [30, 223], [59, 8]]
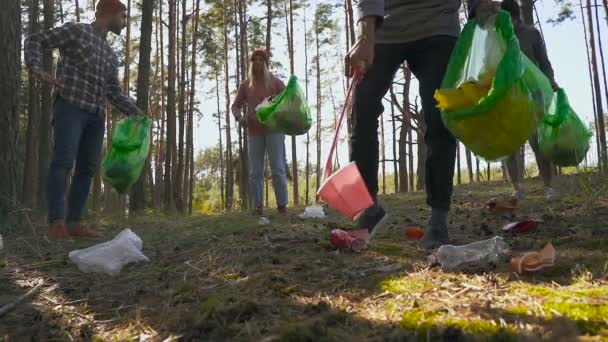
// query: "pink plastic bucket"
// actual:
[[346, 192]]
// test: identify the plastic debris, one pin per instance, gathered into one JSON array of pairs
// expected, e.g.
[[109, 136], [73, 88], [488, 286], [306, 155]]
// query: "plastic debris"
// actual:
[[355, 240], [522, 226], [314, 211], [414, 233], [476, 255], [263, 221], [111, 256], [534, 261]]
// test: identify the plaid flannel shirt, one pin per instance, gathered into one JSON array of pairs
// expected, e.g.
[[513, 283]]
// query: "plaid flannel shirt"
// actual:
[[88, 66]]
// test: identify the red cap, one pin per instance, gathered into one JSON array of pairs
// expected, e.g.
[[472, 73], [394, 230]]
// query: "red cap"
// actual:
[[110, 7], [262, 53]]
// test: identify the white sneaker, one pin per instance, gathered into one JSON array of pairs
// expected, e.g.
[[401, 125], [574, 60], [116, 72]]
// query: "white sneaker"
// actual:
[[551, 194]]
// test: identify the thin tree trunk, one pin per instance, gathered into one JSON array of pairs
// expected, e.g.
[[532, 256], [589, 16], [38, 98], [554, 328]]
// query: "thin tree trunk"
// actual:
[[478, 170], [591, 84], [600, 45], [403, 170], [44, 127], [422, 152], [394, 129], [30, 179], [383, 154], [219, 129], [410, 154], [137, 200], [458, 172], [190, 138], [306, 81], [596, 83], [127, 75], [178, 186], [489, 172], [268, 24], [319, 106], [470, 165], [10, 81], [169, 199], [77, 11], [229, 171], [294, 153], [160, 152]]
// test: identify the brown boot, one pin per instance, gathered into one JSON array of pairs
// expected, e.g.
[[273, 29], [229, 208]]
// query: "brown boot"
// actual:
[[84, 232], [57, 231]]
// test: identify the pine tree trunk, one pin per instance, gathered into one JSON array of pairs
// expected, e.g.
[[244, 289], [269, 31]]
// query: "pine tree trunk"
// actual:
[[489, 173], [294, 152], [478, 170], [527, 12], [244, 59], [229, 171], [403, 170], [137, 200], [394, 128], [306, 81], [30, 180], [160, 150], [422, 152], [598, 100], [601, 49], [383, 153], [219, 130], [268, 24], [458, 172], [190, 138], [319, 106], [77, 11], [10, 82], [470, 165], [46, 108], [169, 198], [410, 154], [178, 185]]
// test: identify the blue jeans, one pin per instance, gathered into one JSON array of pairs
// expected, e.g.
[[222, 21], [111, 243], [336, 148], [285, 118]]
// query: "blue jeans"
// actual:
[[274, 144], [78, 137]]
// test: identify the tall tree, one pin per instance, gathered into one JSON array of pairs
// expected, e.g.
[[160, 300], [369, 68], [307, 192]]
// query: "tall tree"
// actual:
[[268, 24], [137, 201], [10, 81], [127, 73], [469, 164], [77, 10], [30, 181], [306, 82], [394, 129], [178, 186], [294, 152], [598, 98], [383, 148], [44, 127], [190, 138], [229, 166], [406, 122], [169, 198]]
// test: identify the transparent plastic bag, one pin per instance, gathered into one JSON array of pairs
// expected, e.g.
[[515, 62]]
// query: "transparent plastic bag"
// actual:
[[111, 256], [479, 255], [492, 96], [314, 211], [288, 112]]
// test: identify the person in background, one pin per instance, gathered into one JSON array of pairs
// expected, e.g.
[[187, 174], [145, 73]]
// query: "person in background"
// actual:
[[423, 34], [532, 45], [87, 74], [259, 85]]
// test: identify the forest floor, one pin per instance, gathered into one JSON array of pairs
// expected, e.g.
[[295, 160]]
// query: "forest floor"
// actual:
[[224, 277]]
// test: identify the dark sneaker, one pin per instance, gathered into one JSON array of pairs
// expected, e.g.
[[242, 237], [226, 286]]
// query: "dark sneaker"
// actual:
[[434, 237], [372, 219]]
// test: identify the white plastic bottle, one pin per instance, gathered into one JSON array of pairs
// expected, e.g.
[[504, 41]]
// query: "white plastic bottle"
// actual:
[[479, 254]]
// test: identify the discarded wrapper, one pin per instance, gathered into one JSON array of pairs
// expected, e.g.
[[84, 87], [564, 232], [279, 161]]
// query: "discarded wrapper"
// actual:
[[502, 205], [534, 261], [355, 240], [522, 226], [414, 233]]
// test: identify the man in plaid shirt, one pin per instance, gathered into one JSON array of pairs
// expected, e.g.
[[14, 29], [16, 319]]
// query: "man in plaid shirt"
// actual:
[[87, 74]]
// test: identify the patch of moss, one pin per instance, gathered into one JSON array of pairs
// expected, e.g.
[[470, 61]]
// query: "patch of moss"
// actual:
[[304, 332], [580, 291], [3, 263], [590, 318], [404, 285], [518, 311], [210, 306], [387, 248], [422, 322]]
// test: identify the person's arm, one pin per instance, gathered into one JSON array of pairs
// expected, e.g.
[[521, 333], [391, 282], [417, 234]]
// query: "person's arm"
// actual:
[[542, 58], [239, 101], [370, 14], [121, 101], [36, 43]]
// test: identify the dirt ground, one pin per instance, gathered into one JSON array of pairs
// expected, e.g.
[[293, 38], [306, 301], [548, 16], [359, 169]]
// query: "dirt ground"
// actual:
[[225, 278]]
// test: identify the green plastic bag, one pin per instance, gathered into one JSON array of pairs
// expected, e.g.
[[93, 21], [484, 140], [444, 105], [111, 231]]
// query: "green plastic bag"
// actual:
[[508, 94], [288, 112], [563, 137], [129, 146]]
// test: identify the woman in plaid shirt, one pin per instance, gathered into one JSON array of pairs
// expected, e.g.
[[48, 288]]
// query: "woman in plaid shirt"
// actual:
[[87, 74]]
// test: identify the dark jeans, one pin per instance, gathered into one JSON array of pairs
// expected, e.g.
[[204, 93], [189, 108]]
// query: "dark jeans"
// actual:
[[78, 137], [427, 59]]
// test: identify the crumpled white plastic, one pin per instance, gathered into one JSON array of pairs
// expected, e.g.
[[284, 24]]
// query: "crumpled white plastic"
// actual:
[[314, 211], [111, 256]]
